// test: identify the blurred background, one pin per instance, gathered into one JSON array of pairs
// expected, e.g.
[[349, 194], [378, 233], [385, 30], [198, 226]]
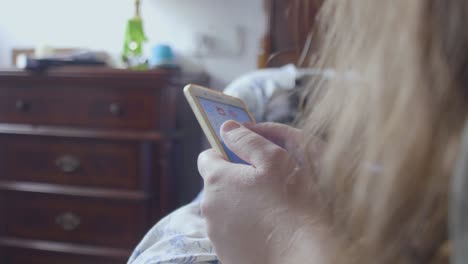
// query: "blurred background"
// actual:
[[220, 37]]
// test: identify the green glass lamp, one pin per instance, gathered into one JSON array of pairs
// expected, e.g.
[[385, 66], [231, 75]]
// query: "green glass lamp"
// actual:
[[132, 53]]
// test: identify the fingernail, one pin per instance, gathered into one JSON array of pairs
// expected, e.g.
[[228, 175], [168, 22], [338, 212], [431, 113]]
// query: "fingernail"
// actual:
[[229, 126]]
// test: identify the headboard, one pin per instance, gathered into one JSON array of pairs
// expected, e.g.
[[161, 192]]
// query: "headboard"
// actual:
[[288, 31]]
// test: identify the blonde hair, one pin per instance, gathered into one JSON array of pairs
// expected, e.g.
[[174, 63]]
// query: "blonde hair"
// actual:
[[392, 123]]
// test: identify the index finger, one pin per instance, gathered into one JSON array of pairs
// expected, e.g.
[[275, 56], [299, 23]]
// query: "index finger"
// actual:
[[213, 167]]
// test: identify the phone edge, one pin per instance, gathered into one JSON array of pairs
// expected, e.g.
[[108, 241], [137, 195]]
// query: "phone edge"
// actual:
[[203, 121]]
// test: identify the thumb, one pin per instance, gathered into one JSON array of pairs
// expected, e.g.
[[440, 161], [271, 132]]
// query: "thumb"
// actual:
[[285, 136], [251, 146]]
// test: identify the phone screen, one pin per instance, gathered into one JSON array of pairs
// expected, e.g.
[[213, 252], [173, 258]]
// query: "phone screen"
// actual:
[[217, 114]]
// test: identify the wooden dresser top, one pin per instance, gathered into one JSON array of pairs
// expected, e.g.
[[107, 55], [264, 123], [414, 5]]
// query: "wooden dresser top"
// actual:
[[98, 75]]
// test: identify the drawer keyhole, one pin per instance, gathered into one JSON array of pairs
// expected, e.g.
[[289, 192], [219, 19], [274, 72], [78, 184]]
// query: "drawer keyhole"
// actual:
[[22, 106], [68, 163], [68, 221]]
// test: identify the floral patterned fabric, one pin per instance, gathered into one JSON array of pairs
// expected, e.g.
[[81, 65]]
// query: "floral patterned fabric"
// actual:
[[178, 238]]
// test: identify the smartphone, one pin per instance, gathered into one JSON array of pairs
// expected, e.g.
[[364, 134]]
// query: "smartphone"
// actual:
[[212, 109]]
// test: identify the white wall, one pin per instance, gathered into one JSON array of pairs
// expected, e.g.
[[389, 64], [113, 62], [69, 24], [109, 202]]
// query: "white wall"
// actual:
[[100, 24]]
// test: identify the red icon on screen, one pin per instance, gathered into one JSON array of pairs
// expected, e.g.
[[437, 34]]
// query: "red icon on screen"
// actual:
[[232, 114], [220, 111]]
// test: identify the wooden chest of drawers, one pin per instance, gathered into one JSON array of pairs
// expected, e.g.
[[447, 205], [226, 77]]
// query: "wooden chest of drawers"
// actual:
[[89, 160]]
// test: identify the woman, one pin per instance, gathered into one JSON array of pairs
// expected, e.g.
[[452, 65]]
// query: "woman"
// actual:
[[375, 190]]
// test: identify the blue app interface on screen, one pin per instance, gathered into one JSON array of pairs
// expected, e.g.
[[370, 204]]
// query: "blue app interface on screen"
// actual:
[[219, 113]]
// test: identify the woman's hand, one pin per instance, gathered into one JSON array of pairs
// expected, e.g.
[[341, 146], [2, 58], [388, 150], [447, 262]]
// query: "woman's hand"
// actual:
[[256, 213]]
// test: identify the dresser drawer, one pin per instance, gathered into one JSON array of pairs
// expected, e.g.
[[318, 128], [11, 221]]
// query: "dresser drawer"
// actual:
[[83, 162], [76, 106], [98, 222], [30, 256]]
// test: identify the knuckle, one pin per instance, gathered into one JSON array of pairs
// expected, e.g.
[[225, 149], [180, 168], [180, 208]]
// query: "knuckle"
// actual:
[[203, 208], [203, 158], [211, 179], [240, 136], [245, 141], [277, 155], [210, 176], [208, 168], [201, 163], [206, 208], [253, 142], [277, 161]]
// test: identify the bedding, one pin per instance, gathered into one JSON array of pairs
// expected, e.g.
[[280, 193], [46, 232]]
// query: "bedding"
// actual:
[[178, 238], [258, 87]]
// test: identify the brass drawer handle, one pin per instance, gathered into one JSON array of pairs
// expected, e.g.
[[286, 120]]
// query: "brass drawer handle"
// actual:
[[68, 163], [115, 109], [22, 106], [68, 221]]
